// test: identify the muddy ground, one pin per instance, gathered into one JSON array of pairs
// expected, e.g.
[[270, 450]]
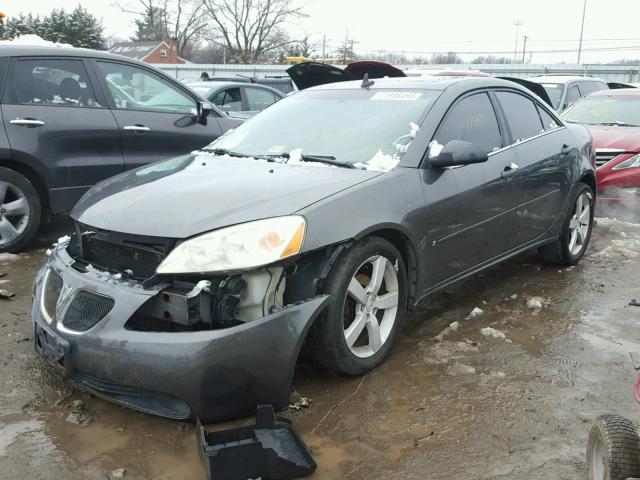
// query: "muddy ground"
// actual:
[[461, 404]]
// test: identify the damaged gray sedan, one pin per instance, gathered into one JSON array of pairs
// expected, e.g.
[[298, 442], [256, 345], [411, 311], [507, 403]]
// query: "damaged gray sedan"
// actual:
[[190, 287]]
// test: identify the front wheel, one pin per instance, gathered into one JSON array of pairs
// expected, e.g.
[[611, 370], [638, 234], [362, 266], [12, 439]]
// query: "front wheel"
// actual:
[[20, 211], [369, 294], [576, 230], [613, 449]]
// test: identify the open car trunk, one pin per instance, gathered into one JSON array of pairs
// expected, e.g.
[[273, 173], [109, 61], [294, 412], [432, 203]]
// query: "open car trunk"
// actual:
[[312, 74], [532, 86]]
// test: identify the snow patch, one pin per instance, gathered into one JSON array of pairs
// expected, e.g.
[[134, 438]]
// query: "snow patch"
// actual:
[[492, 332], [535, 303], [35, 41], [8, 257], [460, 369], [63, 240], [476, 312], [434, 149], [380, 162], [450, 329]]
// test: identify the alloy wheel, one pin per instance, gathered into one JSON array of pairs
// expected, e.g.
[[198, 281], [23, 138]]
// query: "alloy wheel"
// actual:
[[579, 224], [14, 212], [371, 306]]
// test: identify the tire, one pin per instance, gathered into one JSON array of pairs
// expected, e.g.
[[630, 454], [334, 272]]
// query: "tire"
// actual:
[[613, 449], [564, 251], [20, 211], [327, 342]]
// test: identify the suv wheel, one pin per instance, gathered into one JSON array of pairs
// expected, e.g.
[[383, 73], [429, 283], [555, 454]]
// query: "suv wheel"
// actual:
[[20, 211]]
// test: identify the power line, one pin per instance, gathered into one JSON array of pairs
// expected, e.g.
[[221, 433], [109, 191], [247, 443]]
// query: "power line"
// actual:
[[505, 52]]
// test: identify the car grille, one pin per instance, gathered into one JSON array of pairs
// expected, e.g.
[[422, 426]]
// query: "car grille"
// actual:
[[51, 292], [141, 260], [86, 310], [604, 156]]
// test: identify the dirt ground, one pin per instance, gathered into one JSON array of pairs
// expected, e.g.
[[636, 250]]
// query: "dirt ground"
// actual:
[[514, 401]]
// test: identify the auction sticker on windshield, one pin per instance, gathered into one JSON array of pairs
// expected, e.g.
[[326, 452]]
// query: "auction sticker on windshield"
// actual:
[[397, 96]]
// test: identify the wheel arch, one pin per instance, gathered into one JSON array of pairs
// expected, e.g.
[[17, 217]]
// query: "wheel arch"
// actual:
[[395, 235], [590, 179], [34, 177]]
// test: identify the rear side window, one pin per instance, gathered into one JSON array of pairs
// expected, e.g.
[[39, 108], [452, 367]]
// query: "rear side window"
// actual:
[[573, 95], [548, 122], [228, 100], [471, 120], [258, 98], [59, 82], [521, 114]]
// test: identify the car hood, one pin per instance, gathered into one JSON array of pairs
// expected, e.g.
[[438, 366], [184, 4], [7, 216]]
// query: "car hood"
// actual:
[[624, 138], [196, 193]]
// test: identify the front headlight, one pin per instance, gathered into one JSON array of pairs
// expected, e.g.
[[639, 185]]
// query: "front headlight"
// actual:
[[632, 162], [248, 245]]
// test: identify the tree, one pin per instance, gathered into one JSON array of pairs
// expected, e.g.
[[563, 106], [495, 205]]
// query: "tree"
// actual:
[[251, 30], [78, 28], [160, 20], [302, 48], [492, 59], [346, 53], [446, 58]]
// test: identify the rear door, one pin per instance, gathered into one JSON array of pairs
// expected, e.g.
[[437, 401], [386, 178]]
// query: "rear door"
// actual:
[[157, 118], [58, 123], [257, 99], [545, 151]]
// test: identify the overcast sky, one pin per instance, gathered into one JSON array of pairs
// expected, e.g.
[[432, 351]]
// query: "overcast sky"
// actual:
[[421, 27]]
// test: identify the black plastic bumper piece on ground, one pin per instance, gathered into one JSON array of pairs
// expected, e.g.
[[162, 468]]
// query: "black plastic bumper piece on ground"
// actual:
[[271, 450]]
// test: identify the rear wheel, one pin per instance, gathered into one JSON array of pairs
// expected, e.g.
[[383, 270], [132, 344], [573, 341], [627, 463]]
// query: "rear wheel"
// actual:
[[368, 290], [20, 211], [613, 449], [576, 230]]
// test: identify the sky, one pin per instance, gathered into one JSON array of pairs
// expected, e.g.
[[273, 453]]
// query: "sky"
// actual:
[[424, 27]]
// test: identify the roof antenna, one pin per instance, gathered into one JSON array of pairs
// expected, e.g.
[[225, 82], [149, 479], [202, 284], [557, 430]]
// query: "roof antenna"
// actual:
[[366, 83]]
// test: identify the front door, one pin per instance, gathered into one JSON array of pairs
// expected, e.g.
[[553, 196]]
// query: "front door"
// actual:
[[486, 194], [57, 122], [157, 119]]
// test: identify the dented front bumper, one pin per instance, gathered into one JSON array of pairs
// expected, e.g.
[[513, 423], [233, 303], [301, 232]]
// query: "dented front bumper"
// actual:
[[212, 374]]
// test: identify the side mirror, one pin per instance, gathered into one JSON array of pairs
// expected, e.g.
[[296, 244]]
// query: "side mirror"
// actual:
[[457, 153], [204, 109]]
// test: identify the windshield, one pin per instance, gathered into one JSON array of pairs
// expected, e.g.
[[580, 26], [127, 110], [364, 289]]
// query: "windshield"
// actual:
[[603, 110], [351, 126], [554, 90]]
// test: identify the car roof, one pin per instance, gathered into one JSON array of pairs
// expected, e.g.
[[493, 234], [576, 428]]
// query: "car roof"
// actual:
[[619, 92], [8, 50], [562, 78], [423, 83], [217, 85]]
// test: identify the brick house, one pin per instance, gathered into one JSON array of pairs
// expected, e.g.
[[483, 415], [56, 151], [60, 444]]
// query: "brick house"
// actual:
[[149, 52]]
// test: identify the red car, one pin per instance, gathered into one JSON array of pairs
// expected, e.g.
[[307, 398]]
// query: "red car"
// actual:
[[613, 118]]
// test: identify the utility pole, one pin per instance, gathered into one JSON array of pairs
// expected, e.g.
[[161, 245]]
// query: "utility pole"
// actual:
[[518, 24], [324, 45], [524, 47], [584, 12]]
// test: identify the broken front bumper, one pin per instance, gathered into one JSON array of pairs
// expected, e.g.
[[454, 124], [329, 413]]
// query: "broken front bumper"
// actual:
[[212, 374]]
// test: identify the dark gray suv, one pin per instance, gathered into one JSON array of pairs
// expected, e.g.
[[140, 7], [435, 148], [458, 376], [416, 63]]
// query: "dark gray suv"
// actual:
[[73, 117]]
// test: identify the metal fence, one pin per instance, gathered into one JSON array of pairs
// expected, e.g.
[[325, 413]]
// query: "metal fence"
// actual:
[[611, 73]]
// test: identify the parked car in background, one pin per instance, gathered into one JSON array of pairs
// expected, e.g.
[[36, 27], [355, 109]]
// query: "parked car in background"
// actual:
[[191, 285], [564, 91], [73, 117], [241, 100], [613, 118], [281, 83]]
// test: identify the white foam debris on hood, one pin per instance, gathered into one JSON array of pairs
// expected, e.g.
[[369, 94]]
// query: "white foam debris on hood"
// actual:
[[295, 158], [32, 40], [8, 257], [492, 332], [380, 162], [201, 286]]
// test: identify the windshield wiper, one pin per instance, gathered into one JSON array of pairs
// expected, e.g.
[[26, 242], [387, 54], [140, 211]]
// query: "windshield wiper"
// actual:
[[328, 159], [224, 151], [619, 124]]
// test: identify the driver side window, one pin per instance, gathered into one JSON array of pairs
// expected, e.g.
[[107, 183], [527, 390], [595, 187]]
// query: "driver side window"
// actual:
[[472, 120], [134, 88]]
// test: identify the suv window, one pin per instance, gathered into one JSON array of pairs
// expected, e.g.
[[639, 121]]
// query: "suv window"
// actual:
[[471, 120], [56, 82], [228, 100], [573, 95], [521, 115], [134, 88], [548, 122], [258, 98]]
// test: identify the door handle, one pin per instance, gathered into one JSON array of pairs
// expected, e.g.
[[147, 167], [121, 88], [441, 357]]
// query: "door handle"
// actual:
[[565, 150], [510, 170], [27, 122], [136, 128]]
